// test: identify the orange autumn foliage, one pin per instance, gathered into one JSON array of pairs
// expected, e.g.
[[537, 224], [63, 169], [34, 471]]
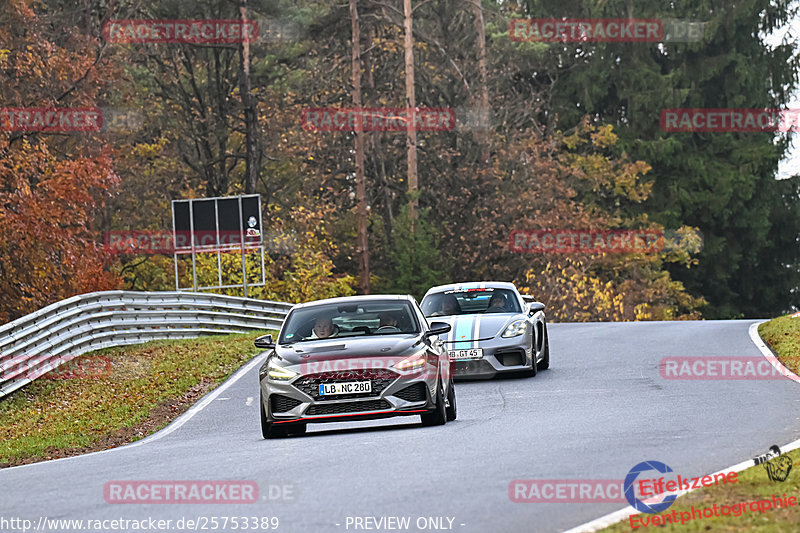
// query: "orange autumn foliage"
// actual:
[[51, 186]]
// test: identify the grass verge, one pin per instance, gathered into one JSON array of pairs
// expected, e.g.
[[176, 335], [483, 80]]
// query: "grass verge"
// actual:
[[144, 387], [783, 336]]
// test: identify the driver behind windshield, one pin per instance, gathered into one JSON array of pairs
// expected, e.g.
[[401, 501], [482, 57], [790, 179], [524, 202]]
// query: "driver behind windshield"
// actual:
[[323, 328], [448, 306], [497, 303], [388, 320]]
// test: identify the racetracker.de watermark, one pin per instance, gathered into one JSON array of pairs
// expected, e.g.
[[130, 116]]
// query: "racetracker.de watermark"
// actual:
[[566, 491], [155, 242], [720, 368], [57, 368], [608, 490], [729, 120], [51, 119], [565, 30], [571, 241], [192, 492], [377, 119], [585, 30], [207, 31], [372, 367]]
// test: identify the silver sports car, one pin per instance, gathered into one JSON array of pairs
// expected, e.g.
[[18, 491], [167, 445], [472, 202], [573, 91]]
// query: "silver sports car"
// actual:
[[494, 328], [355, 358]]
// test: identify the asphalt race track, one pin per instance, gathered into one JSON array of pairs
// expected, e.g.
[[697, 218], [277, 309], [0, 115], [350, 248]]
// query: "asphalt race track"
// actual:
[[599, 410]]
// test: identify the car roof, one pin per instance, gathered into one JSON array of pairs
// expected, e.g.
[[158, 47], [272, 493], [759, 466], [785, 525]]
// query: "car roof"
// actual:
[[473, 285], [356, 299]]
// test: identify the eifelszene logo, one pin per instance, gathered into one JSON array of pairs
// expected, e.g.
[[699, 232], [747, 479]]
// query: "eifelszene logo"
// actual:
[[630, 495]]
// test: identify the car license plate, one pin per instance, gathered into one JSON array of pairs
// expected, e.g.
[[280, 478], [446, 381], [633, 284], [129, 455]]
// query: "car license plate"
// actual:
[[461, 355], [346, 387]]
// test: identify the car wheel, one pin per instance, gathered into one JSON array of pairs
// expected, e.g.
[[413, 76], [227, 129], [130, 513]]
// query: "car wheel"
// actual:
[[268, 429], [531, 372], [545, 363], [451, 409], [438, 416], [265, 425]]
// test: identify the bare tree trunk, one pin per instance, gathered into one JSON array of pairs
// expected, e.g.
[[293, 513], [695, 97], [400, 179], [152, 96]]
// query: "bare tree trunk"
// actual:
[[375, 144], [361, 195], [483, 99], [252, 159], [411, 105]]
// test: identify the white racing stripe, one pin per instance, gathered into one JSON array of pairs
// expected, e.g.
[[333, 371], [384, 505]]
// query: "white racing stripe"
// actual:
[[477, 331]]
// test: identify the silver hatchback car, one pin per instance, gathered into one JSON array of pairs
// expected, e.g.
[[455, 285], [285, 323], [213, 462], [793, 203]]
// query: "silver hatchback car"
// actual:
[[355, 358]]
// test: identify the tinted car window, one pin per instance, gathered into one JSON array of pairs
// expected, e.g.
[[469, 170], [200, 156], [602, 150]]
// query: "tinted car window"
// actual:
[[350, 320], [468, 301]]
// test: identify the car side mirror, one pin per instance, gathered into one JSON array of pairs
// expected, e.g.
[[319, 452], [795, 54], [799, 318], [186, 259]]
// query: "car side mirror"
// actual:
[[265, 342], [438, 328], [535, 307]]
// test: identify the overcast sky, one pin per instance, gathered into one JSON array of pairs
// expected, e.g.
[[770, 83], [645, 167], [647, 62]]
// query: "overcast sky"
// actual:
[[791, 164]]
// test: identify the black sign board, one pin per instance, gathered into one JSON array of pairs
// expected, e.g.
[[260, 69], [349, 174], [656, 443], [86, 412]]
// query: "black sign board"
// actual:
[[212, 224]]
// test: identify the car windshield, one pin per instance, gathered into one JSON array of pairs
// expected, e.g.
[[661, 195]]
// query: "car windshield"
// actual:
[[469, 301], [358, 319]]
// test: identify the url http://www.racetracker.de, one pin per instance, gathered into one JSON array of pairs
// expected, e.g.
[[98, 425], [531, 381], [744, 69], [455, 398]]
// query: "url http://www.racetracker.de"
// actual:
[[196, 523]]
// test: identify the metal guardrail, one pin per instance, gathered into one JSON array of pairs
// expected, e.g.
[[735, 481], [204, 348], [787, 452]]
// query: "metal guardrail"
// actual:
[[41, 341]]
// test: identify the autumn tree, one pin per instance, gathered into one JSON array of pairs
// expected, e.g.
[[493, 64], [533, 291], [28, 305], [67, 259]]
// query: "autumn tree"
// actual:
[[52, 185]]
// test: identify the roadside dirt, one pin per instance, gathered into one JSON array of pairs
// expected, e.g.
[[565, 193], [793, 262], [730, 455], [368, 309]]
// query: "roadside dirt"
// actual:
[[160, 416]]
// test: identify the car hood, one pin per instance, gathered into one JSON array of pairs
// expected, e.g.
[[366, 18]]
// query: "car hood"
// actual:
[[476, 327], [392, 346]]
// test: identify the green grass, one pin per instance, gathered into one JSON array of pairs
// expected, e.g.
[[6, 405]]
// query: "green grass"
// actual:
[[148, 385], [783, 335]]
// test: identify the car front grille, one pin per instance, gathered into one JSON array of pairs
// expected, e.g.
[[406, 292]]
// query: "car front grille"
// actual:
[[413, 393], [380, 378], [281, 404], [467, 368], [348, 407]]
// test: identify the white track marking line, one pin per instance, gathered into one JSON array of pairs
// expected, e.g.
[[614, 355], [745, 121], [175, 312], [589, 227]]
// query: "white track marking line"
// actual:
[[173, 426], [766, 352], [622, 514]]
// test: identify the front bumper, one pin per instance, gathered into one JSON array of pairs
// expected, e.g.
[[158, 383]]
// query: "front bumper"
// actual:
[[393, 394], [500, 356]]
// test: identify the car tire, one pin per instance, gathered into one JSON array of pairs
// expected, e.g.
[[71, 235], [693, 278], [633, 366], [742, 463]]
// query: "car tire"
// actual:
[[266, 426], [531, 372], [438, 416], [268, 429], [545, 363], [451, 409]]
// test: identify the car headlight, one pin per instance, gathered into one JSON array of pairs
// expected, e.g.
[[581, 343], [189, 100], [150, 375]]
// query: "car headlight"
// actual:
[[415, 362], [516, 328], [278, 373]]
